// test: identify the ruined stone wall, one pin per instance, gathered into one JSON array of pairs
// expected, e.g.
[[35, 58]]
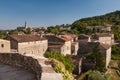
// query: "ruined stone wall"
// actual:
[[37, 65], [15, 59]]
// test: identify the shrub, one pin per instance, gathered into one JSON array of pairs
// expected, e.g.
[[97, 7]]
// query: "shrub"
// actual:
[[95, 75], [60, 68], [66, 60], [115, 53]]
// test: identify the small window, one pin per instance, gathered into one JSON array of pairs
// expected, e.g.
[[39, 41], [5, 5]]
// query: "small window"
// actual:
[[2, 45], [67, 48]]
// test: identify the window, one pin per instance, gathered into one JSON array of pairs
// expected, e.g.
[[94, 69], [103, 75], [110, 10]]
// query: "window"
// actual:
[[2, 45], [67, 48]]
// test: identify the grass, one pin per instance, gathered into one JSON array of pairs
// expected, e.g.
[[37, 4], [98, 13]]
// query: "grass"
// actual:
[[115, 56], [114, 70]]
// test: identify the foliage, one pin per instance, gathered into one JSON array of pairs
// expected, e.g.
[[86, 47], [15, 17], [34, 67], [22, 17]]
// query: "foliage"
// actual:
[[83, 76], [60, 68], [13, 32], [95, 75], [52, 29], [116, 31], [59, 28], [115, 52], [66, 60], [3, 34]]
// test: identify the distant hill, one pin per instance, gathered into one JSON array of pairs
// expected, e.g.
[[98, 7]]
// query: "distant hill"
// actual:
[[112, 18]]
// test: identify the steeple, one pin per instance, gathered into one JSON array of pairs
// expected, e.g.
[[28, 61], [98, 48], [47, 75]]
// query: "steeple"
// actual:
[[25, 24]]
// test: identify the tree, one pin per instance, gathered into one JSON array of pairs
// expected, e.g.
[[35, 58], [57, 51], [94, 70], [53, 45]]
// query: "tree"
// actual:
[[94, 30]]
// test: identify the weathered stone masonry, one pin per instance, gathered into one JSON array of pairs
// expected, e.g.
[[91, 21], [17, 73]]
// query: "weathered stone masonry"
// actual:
[[42, 71], [18, 60]]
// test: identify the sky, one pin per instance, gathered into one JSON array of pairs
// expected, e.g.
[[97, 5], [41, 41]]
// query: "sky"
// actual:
[[14, 13]]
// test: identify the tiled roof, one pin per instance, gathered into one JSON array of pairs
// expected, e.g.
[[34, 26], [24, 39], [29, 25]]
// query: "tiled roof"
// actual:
[[103, 34], [97, 35], [83, 36], [65, 37], [26, 38], [54, 38], [104, 46], [89, 46]]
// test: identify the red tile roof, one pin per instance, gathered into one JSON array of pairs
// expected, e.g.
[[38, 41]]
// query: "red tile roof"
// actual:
[[65, 37]]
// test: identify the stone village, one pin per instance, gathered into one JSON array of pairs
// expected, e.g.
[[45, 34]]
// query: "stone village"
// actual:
[[27, 50]]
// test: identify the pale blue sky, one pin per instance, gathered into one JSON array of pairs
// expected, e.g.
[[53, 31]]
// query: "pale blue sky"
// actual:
[[14, 13]]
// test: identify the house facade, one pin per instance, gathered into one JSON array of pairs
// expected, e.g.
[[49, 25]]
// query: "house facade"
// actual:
[[29, 44], [59, 43], [100, 28], [4, 45], [105, 38], [105, 49]]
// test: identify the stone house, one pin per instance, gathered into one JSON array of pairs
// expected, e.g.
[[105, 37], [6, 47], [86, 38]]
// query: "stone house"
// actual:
[[87, 47], [105, 38], [59, 43], [84, 38], [4, 45], [99, 28], [29, 44], [74, 42]]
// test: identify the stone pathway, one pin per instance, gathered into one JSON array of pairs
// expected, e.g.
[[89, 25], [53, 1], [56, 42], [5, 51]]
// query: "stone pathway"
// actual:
[[12, 73]]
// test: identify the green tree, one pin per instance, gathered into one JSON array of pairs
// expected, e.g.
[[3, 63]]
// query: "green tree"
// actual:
[[94, 30]]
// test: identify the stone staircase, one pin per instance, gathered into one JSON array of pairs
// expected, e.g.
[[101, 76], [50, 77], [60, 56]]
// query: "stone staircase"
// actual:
[[48, 72]]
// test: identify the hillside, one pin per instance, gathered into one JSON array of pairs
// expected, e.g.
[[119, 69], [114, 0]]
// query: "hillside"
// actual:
[[112, 19]]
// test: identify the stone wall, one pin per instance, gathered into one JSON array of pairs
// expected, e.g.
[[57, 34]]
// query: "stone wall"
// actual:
[[37, 65], [37, 48], [66, 48], [25, 62], [108, 57], [105, 40], [4, 45]]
